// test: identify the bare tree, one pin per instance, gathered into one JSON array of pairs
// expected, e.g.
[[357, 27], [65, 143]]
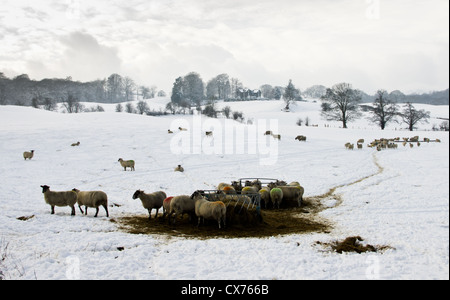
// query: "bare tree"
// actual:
[[411, 116], [340, 103], [142, 107], [385, 110]]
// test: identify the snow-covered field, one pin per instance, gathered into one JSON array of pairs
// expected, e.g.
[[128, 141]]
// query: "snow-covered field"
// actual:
[[405, 204]]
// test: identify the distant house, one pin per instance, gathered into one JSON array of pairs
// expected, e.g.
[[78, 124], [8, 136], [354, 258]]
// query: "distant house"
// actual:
[[247, 94]]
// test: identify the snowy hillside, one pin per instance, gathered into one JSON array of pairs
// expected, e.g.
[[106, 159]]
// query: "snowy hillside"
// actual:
[[398, 198]]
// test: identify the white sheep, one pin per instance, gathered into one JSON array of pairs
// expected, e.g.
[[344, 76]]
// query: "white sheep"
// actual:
[[205, 209], [276, 196], [292, 195], [75, 144], [28, 155], [60, 199], [180, 205], [92, 199], [265, 195], [182, 129], [126, 164], [151, 201]]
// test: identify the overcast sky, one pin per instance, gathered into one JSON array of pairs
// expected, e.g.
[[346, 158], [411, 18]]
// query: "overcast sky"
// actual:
[[372, 44]]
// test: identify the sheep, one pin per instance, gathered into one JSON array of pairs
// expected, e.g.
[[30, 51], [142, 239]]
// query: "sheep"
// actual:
[[61, 199], [179, 169], [292, 195], [182, 129], [349, 146], [229, 190], [438, 140], [169, 131], [151, 201], [249, 190], [75, 144], [127, 164], [209, 210], [92, 199], [28, 155], [360, 146], [360, 141], [255, 183], [276, 196], [265, 195], [209, 133], [180, 205], [268, 132], [301, 138], [166, 206], [426, 140]]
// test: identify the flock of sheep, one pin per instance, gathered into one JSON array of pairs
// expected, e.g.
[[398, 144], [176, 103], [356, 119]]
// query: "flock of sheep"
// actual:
[[391, 143]]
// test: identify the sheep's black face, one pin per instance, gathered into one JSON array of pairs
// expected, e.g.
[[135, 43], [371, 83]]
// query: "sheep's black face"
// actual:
[[45, 188], [136, 194], [196, 194]]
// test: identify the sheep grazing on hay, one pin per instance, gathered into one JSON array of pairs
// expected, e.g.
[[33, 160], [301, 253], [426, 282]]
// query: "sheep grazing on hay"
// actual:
[[151, 201], [205, 209]]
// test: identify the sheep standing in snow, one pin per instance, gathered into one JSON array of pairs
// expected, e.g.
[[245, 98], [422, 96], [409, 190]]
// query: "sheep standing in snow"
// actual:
[[276, 196], [92, 199], [292, 195], [60, 199], [28, 155], [209, 210], [75, 144], [180, 205], [151, 201], [127, 164], [179, 168], [301, 138]]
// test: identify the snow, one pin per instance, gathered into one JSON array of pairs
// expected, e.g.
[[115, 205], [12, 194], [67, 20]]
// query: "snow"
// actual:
[[396, 197]]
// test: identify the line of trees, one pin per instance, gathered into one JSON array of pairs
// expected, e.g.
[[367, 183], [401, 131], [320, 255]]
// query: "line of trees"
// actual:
[[342, 103], [21, 90]]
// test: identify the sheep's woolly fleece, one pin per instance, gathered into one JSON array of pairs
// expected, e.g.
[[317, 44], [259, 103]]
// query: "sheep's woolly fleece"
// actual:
[[396, 197]]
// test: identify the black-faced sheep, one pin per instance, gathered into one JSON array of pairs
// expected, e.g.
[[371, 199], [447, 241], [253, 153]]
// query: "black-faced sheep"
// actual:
[[28, 155], [182, 129], [92, 199], [276, 196], [126, 164], [209, 210], [209, 133], [180, 205], [179, 168], [60, 199], [268, 132], [151, 201], [301, 138], [169, 131], [75, 144]]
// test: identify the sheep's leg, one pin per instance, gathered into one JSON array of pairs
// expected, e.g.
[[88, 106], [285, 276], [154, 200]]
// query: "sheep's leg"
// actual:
[[85, 210], [53, 209], [79, 206], [106, 209], [198, 224], [156, 216], [149, 213], [96, 212], [73, 210]]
